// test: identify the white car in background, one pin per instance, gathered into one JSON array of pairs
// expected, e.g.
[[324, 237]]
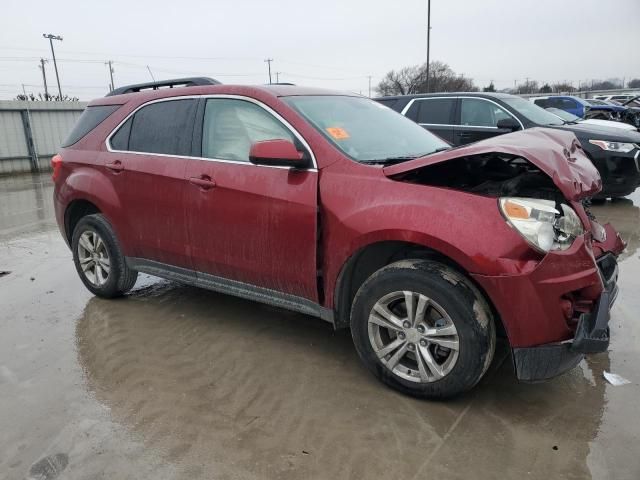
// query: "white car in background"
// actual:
[[571, 118], [616, 98]]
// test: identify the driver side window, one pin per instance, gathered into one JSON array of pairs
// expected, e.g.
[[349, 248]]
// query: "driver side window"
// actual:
[[231, 126]]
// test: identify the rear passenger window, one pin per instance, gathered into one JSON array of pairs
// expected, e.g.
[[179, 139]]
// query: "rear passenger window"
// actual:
[[163, 127], [436, 111], [387, 102], [542, 102]]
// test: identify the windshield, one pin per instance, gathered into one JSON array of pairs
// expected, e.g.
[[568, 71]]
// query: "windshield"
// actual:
[[566, 116], [532, 112], [365, 130]]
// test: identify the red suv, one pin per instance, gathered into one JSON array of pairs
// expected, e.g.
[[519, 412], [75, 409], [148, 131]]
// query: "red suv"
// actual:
[[333, 205]]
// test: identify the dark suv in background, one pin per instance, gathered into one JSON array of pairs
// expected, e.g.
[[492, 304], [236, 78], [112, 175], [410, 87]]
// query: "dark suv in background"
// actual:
[[461, 118]]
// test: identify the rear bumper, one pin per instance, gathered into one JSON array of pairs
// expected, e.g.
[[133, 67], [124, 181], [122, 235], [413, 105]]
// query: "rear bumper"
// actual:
[[591, 336]]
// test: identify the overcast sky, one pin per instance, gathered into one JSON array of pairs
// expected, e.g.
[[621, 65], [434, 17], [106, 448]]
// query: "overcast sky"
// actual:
[[329, 43]]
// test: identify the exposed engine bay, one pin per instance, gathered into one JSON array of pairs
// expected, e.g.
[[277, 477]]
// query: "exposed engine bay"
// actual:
[[493, 174]]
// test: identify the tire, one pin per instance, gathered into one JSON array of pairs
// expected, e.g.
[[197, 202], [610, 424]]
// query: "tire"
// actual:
[[451, 300], [103, 270]]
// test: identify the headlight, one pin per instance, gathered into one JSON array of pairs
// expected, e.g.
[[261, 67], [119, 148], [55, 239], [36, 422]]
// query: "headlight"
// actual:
[[541, 224], [613, 146]]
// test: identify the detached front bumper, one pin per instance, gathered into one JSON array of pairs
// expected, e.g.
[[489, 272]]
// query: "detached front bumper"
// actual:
[[591, 335]]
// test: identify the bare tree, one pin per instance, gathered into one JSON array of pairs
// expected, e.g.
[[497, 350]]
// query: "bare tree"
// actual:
[[530, 86], [546, 88], [609, 84], [402, 82], [489, 88], [635, 83], [413, 79], [562, 87], [30, 97]]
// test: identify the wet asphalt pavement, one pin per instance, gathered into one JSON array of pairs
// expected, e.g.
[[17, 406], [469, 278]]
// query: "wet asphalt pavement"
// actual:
[[177, 382]]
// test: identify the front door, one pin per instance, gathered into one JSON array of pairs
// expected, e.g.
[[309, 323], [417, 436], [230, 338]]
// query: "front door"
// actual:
[[249, 223], [479, 118], [147, 172]]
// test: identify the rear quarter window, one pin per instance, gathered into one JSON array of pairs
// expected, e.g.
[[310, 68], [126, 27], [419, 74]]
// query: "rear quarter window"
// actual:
[[90, 119], [388, 102]]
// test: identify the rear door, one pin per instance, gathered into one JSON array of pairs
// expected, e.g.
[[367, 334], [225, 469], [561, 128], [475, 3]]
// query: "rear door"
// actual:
[[249, 223], [146, 164], [434, 114], [478, 119]]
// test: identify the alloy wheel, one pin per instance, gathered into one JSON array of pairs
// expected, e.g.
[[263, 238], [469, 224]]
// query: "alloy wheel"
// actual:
[[94, 258], [413, 336]]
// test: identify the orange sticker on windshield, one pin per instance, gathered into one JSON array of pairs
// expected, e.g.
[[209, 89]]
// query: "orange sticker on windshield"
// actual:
[[337, 133]]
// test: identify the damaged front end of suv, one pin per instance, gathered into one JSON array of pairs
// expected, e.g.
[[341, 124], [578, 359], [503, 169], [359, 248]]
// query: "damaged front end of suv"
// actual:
[[556, 308]]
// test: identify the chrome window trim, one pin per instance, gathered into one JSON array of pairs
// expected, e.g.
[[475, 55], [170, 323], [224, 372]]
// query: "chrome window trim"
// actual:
[[408, 105], [268, 109]]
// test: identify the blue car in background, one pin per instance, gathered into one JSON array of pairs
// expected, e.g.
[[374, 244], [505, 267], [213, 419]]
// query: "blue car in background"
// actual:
[[581, 107]]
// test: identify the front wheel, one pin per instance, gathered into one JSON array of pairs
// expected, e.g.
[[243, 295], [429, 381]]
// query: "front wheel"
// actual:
[[98, 258], [423, 328]]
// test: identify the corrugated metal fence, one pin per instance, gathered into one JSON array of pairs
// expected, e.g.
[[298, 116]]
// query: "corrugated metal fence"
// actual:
[[31, 133]]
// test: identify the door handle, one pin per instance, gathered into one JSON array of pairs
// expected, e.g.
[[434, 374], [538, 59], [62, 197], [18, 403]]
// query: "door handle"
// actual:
[[115, 166], [203, 181], [464, 134]]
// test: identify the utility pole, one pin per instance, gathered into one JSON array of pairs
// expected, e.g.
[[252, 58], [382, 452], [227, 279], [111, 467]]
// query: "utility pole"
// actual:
[[526, 85], [428, 39], [268, 61], [110, 65], [369, 77], [277, 77], [53, 54], [44, 78]]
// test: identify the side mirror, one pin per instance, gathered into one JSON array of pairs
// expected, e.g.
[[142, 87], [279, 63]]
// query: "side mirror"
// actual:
[[508, 124], [277, 153]]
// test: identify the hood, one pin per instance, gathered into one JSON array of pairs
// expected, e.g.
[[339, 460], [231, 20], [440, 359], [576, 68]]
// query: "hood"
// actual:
[[596, 132], [556, 153], [609, 124]]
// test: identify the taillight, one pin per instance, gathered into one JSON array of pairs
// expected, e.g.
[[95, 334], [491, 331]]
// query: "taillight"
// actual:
[[56, 164]]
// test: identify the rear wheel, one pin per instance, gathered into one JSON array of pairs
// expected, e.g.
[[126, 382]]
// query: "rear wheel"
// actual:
[[98, 258], [423, 328]]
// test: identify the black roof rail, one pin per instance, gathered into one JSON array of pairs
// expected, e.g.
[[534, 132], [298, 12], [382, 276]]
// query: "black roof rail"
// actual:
[[177, 82]]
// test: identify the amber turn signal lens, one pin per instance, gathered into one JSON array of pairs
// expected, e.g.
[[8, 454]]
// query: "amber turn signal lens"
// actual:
[[513, 210]]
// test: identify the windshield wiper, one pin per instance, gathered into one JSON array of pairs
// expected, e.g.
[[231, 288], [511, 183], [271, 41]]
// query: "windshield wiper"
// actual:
[[400, 159]]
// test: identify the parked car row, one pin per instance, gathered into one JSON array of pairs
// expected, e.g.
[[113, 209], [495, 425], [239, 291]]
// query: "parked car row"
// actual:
[[462, 118], [333, 205], [581, 107]]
